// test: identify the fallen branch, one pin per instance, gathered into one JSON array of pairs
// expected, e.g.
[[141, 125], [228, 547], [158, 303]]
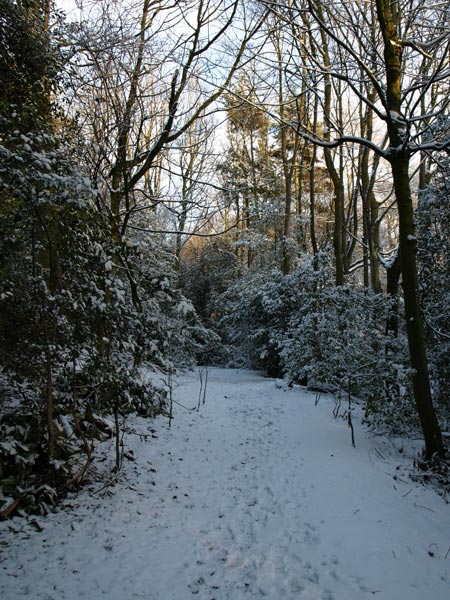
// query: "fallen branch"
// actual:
[[5, 514]]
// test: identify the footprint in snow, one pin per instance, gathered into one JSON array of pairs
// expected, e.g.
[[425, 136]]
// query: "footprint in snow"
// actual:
[[196, 585]]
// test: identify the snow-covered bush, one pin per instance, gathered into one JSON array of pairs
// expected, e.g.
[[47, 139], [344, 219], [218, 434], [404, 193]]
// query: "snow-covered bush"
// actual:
[[327, 337], [254, 315], [80, 314], [336, 340]]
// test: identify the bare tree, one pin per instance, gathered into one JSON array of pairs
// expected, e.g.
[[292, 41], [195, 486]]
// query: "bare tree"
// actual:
[[414, 61], [137, 86]]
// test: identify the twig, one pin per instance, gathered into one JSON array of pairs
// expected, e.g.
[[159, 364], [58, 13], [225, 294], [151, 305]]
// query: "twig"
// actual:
[[78, 477], [337, 407], [349, 418], [203, 384], [170, 386], [185, 407], [108, 484], [117, 429], [350, 424], [425, 507], [206, 384]]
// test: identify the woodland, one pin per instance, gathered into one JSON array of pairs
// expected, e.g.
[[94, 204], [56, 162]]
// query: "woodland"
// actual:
[[239, 183]]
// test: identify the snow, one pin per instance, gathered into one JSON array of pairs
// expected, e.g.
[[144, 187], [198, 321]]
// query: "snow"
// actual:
[[65, 426], [396, 117], [259, 494], [184, 307]]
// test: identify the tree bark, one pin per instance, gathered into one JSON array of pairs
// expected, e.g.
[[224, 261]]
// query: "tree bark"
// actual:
[[393, 273]]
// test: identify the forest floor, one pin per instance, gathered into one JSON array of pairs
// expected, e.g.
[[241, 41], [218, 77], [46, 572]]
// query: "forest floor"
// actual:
[[259, 494]]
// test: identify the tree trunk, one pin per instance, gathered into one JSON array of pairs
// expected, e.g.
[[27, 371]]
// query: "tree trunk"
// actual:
[[338, 187], [334, 173], [370, 209], [312, 210], [312, 192], [388, 14], [338, 241], [374, 242], [414, 322], [286, 259], [288, 169]]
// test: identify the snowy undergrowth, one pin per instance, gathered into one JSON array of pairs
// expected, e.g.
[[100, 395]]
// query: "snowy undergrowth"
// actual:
[[260, 494]]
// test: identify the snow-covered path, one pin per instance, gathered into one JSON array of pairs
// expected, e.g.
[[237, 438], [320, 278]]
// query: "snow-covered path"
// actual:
[[258, 495]]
